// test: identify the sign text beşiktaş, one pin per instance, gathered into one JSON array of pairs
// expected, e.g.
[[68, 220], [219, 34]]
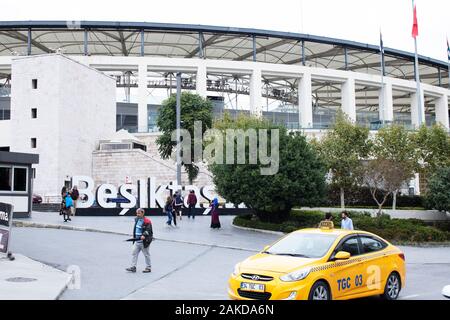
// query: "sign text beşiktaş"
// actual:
[[146, 193]]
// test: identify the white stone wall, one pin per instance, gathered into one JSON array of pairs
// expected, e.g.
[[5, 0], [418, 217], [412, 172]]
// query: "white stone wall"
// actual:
[[5, 133], [75, 108], [114, 166]]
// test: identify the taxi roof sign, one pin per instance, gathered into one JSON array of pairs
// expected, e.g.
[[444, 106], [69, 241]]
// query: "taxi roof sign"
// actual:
[[327, 225]]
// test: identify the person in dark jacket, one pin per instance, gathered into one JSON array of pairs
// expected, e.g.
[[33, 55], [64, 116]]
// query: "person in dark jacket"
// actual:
[[143, 236], [215, 222], [75, 196], [192, 202], [177, 205], [168, 209]]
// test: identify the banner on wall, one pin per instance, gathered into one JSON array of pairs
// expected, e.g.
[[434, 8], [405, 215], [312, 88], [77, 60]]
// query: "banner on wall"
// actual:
[[6, 212]]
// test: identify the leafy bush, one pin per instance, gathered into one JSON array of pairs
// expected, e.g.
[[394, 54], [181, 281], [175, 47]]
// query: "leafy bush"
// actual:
[[395, 230], [299, 180], [438, 193], [360, 196]]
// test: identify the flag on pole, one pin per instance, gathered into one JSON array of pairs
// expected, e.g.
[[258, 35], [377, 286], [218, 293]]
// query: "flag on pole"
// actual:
[[415, 29], [448, 50], [381, 43]]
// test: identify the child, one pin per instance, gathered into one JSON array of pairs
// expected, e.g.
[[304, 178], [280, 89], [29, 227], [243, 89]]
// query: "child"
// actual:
[[68, 204]]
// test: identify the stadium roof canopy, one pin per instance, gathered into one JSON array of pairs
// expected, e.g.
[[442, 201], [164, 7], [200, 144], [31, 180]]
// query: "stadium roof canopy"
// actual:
[[211, 42]]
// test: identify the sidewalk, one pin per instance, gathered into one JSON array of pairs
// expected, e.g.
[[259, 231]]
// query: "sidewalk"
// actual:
[[26, 279], [189, 231]]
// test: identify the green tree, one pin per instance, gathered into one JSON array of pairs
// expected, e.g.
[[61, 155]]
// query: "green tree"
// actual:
[[193, 108], [342, 149], [396, 146], [433, 148], [300, 179], [438, 193]]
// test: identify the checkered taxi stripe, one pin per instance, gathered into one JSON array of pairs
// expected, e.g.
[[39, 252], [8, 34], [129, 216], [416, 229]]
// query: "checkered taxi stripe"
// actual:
[[351, 261]]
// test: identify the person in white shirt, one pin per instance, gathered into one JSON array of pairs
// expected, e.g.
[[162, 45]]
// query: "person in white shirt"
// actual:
[[346, 222]]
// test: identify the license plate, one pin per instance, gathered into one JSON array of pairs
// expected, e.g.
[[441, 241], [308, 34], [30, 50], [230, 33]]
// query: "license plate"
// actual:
[[255, 287]]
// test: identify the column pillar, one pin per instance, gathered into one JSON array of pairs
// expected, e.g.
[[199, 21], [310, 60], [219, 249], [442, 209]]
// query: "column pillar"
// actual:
[[305, 102], [442, 111], [349, 99], [386, 108], [201, 81], [142, 96], [256, 92], [415, 111]]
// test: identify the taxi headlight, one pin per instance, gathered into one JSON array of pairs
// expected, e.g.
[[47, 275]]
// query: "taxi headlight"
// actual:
[[236, 270], [296, 275]]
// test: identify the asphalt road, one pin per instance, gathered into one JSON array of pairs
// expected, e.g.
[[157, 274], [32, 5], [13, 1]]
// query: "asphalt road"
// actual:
[[183, 270]]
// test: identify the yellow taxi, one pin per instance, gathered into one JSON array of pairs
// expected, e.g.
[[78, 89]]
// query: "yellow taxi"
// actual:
[[321, 264]]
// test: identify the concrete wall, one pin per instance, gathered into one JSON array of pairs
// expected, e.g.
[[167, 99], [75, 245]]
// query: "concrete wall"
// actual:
[[75, 108], [5, 133]]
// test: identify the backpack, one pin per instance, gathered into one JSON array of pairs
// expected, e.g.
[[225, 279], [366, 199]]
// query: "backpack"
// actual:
[[69, 201]]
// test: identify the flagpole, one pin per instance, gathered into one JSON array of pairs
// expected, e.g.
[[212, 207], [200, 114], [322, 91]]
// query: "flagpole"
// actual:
[[419, 98], [382, 80], [448, 62]]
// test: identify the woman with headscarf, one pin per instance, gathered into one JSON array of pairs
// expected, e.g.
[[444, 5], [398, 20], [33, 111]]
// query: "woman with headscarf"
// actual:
[[215, 222]]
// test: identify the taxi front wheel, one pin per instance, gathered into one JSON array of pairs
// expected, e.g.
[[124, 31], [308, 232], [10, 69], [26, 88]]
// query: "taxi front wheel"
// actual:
[[392, 288], [320, 291]]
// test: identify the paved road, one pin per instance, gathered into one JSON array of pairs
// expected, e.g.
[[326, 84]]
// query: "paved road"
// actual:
[[191, 262], [102, 259]]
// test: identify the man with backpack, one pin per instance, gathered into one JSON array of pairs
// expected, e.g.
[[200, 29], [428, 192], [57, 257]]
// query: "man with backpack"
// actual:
[[178, 203], [142, 237]]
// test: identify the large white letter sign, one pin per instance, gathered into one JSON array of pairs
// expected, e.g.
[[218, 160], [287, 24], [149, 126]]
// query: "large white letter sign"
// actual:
[[79, 181], [125, 191], [102, 195]]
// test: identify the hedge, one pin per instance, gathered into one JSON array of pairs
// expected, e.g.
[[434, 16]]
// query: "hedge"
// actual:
[[360, 196], [395, 230]]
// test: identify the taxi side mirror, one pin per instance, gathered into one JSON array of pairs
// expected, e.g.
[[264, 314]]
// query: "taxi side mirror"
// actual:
[[265, 248], [342, 255]]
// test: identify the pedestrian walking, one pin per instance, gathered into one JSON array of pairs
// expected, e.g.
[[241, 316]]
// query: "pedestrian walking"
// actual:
[[178, 204], [168, 209], [75, 196], [192, 202], [142, 237], [215, 222], [68, 205], [346, 222], [62, 206]]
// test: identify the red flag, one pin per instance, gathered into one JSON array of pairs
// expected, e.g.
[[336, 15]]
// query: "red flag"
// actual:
[[415, 29]]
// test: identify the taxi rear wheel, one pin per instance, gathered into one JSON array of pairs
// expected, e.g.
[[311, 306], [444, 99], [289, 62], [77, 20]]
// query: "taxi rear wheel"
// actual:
[[393, 287], [320, 291]]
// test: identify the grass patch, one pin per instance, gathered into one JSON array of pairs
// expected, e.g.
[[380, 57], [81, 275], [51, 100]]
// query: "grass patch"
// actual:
[[400, 231]]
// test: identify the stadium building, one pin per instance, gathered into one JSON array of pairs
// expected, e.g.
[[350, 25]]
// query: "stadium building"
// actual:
[[103, 83]]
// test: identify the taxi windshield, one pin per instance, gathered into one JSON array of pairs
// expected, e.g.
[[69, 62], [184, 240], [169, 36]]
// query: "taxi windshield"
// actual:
[[303, 245]]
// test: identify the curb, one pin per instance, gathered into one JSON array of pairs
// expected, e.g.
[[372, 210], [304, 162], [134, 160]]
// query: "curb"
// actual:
[[21, 224], [279, 233], [64, 288]]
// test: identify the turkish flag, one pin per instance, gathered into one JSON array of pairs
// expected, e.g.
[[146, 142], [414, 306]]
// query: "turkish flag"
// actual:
[[415, 29]]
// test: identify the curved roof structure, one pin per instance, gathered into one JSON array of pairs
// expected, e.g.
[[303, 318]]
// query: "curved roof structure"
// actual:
[[211, 42]]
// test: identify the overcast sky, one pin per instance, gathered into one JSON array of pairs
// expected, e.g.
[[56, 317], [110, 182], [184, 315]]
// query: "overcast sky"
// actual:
[[357, 20]]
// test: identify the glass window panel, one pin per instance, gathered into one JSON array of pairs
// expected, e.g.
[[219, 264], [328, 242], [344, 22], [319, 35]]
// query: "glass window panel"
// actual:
[[5, 179], [20, 179]]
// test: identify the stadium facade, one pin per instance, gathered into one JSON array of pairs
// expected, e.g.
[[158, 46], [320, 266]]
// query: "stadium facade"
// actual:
[[296, 80]]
